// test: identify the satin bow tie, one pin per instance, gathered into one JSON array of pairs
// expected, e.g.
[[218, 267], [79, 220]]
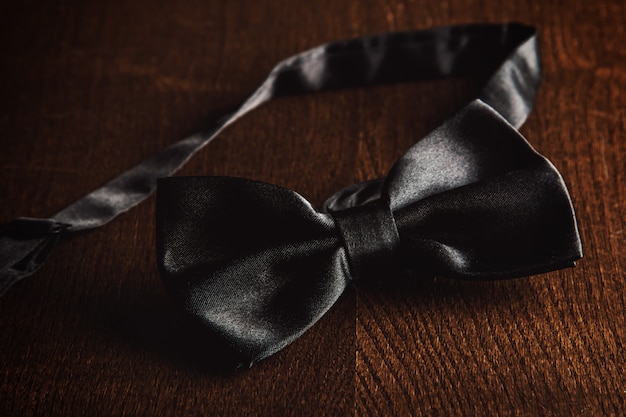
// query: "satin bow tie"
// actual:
[[256, 265]]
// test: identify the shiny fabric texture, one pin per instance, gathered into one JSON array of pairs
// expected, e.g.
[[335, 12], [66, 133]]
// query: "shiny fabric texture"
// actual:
[[507, 51], [255, 265]]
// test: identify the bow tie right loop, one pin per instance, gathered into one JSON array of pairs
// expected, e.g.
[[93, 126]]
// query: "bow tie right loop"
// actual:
[[370, 237]]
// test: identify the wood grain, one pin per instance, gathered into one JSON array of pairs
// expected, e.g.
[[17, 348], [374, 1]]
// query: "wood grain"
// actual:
[[90, 88]]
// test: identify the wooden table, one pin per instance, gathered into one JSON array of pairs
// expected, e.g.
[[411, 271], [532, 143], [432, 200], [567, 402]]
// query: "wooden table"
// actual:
[[89, 88]]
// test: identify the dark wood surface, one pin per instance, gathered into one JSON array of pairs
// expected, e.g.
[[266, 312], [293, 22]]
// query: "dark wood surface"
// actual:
[[89, 88]]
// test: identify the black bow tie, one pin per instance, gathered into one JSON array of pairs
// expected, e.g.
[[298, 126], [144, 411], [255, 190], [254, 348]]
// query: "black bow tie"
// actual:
[[256, 265]]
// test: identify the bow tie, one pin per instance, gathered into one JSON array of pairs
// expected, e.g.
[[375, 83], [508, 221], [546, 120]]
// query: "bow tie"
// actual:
[[256, 265]]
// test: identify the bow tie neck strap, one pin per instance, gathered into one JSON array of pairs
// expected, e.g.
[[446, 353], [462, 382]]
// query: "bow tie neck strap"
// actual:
[[26, 242], [503, 54]]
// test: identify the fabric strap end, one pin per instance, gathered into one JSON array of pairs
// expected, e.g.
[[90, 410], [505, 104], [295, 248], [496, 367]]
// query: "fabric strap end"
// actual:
[[25, 243]]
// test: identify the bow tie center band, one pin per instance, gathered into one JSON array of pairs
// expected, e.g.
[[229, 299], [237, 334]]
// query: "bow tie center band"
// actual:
[[256, 265]]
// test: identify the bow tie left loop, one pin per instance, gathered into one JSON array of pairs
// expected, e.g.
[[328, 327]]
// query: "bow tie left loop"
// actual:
[[254, 263]]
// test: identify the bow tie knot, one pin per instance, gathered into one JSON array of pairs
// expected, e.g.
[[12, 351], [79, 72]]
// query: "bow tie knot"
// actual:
[[370, 237]]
